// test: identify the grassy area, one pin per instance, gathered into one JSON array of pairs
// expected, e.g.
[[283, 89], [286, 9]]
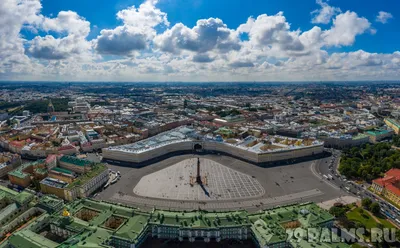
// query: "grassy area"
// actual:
[[356, 245], [366, 219], [363, 218]]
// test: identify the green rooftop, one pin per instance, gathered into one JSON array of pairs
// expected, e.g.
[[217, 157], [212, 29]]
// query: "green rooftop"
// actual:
[[19, 171], [200, 219], [4, 191], [267, 227], [84, 178], [359, 136], [394, 122], [21, 197], [27, 238], [75, 161], [62, 170], [377, 132]]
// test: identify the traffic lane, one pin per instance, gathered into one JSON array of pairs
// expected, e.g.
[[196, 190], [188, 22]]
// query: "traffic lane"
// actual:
[[329, 164], [353, 188]]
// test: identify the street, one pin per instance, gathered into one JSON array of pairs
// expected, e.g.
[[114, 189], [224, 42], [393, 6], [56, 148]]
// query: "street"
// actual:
[[329, 166]]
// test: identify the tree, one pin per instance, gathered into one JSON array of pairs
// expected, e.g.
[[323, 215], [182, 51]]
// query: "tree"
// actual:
[[375, 208], [337, 211], [366, 203]]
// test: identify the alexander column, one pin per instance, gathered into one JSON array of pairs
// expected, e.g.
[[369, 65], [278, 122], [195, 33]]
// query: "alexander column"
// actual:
[[198, 178]]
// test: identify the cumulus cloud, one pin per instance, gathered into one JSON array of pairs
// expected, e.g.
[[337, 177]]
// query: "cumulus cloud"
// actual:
[[240, 64], [208, 51], [69, 24], [272, 32], [325, 13], [202, 58], [67, 21], [135, 33], [15, 15], [346, 27], [208, 34], [383, 17], [121, 40]]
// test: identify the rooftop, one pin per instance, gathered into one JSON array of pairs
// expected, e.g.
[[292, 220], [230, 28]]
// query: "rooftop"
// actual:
[[267, 226], [19, 171], [394, 122], [54, 182], [75, 161], [62, 170], [250, 143], [84, 178]]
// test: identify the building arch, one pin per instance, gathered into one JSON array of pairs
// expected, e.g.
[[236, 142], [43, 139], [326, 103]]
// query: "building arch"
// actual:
[[197, 147]]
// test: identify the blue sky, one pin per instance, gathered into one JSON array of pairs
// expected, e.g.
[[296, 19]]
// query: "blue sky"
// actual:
[[198, 40], [236, 12]]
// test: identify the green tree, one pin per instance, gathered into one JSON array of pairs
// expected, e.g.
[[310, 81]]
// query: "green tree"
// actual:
[[375, 208], [366, 203], [337, 211]]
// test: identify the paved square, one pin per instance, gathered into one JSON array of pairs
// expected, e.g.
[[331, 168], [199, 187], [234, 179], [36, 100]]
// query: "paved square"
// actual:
[[223, 183]]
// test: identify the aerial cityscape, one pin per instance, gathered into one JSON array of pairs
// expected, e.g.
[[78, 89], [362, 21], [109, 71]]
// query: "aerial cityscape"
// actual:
[[171, 123], [148, 165]]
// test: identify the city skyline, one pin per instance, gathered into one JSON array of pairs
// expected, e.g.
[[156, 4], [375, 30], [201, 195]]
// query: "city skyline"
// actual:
[[157, 41]]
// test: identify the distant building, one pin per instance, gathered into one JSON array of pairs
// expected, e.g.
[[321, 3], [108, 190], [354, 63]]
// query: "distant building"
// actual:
[[25, 113], [24, 174], [74, 178], [8, 162], [389, 185], [344, 140], [15, 209], [3, 115], [393, 124], [378, 135], [269, 149], [50, 107], [294, 133]]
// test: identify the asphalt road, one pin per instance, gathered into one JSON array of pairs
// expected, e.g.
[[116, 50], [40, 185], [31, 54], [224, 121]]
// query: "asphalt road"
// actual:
[[329, 165]]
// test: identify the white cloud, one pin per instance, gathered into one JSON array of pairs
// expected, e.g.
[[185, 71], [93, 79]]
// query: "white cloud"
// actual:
[[67, 21], [346, 27], [270, 35], [69, 24], [209, 51], [15, 15], [135, 33], [325, 13], [383, 17], [208, 34]]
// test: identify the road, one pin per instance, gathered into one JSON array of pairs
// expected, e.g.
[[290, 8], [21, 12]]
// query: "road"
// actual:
[[329, 166]]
